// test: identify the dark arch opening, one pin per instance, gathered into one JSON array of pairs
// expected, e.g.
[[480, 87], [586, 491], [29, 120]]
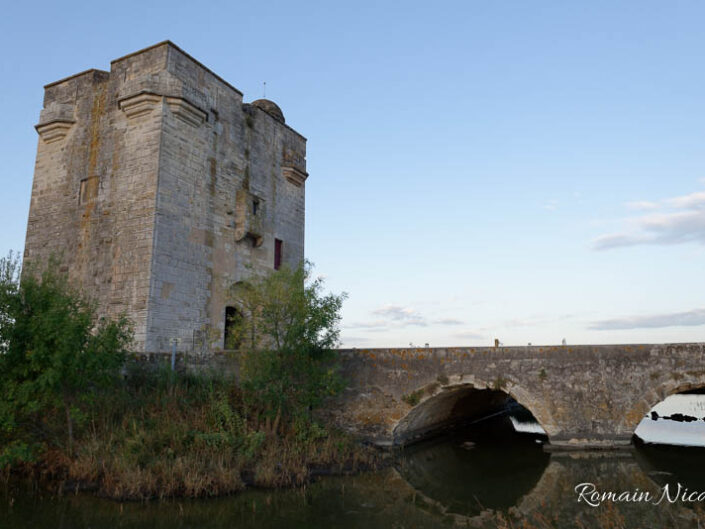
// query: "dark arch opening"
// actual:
[[233, 317], [481, 415], [471, 449]]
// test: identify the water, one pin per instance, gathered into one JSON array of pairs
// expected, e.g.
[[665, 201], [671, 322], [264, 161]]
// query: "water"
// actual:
[[433, 485], [461, 481], [497, 469], [467, 479]]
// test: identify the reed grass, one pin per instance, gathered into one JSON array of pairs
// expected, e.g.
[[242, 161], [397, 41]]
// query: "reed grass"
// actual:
[[164, 435]]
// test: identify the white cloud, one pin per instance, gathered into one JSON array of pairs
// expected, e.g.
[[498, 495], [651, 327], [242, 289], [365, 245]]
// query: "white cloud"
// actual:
[[447, 321], [397, 317], [375, 324], [617, 240], [680, 220], [675, 319], [691, 201], [642, 205], [406, 315]]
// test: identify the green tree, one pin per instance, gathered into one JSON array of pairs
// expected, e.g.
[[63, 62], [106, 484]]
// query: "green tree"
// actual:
[[54, 354], [286, 331]]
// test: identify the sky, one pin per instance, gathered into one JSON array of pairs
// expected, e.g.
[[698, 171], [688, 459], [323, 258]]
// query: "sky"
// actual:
[[529, 171]]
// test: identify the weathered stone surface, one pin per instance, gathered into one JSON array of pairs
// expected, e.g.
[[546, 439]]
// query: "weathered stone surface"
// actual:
[[581, 395], [136, 182], [271, 108]]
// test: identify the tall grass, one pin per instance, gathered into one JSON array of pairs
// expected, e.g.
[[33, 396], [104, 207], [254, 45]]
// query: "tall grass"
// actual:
[[160, 434]]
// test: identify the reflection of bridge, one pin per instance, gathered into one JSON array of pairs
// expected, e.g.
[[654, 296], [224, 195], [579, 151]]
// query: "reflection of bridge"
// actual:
[[581, 395], [467, 491]]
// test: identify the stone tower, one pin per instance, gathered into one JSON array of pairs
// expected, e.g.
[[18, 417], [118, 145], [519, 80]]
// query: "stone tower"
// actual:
[[158, 189]]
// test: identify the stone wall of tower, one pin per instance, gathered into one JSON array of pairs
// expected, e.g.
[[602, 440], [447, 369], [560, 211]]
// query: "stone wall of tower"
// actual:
[[93, 194], [145, 184], [217, 157]]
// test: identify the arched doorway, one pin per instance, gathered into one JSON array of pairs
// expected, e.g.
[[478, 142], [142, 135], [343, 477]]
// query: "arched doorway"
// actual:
[[231, 337]]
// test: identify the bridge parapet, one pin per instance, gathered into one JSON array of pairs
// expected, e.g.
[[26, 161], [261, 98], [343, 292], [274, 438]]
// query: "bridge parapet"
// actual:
[[581, 395]]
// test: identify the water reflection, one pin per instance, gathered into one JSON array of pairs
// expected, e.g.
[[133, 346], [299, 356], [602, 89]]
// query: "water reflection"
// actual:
[[673, 465], [529, 486], [499, 466], [490, 467]]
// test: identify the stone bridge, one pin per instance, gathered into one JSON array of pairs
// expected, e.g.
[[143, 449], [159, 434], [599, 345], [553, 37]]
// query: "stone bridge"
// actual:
[[582, 396]]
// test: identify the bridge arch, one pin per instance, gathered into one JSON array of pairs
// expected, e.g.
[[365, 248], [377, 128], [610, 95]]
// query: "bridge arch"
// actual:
[[444, 407], [672, 384]]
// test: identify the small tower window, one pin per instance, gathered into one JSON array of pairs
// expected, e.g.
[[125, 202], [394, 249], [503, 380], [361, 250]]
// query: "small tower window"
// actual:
[[88, 190], [255, 206], [277, 254]]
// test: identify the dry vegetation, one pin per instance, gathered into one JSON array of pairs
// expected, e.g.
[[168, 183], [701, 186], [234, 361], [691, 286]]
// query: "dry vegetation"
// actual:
[[161, 435]]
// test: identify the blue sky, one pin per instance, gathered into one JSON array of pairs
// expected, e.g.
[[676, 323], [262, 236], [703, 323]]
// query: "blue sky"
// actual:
[[527, 171]]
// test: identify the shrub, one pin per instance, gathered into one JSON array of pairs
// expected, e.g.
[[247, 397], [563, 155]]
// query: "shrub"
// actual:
[[286, 335], [55, 353]]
